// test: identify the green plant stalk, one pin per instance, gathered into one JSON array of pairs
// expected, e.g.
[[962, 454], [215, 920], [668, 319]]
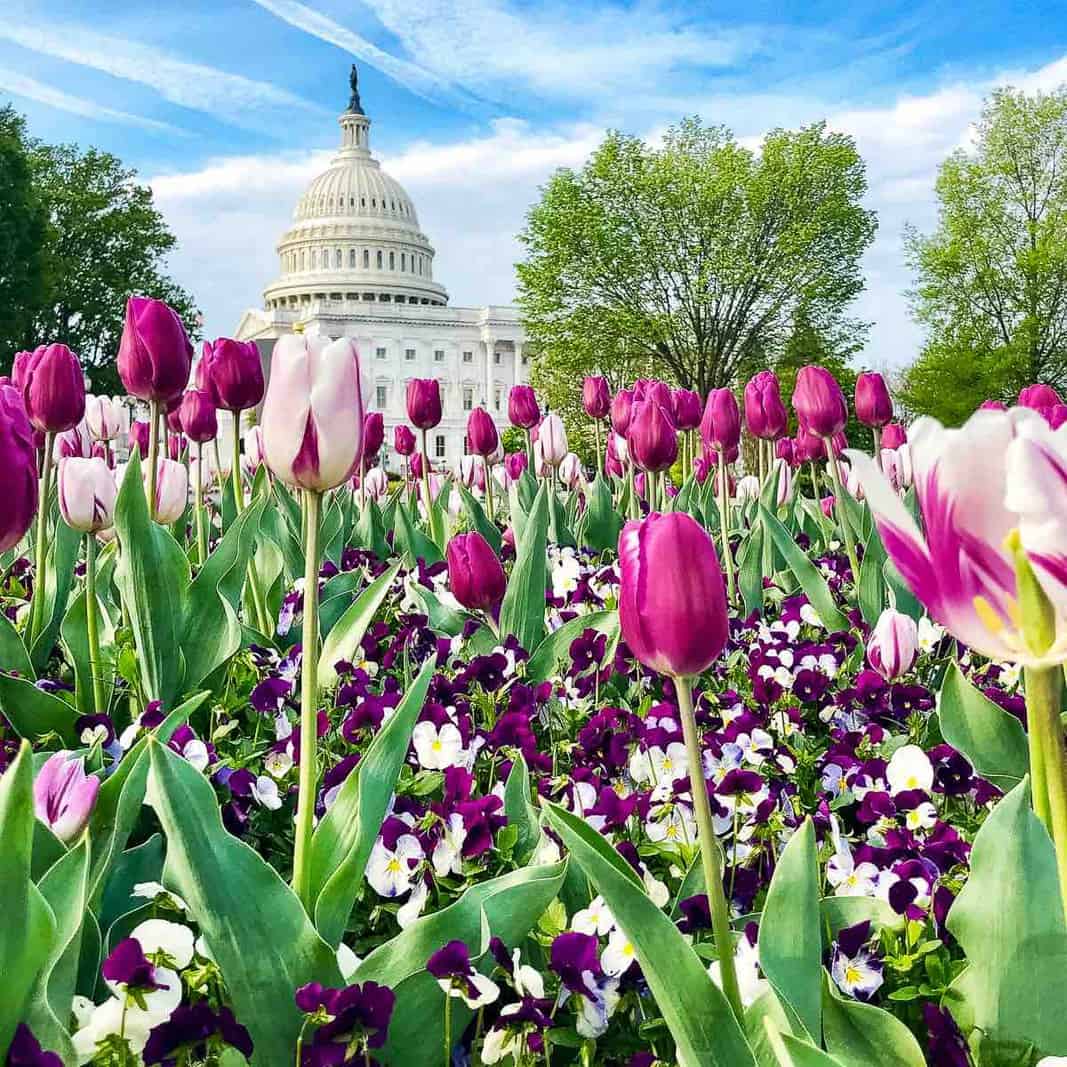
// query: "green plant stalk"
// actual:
[[488, 487], [198, 504], [41, 546], [633, 509], [710, 854], [92, 626], [724, 525], [239, 505], [448, 1029], [876, 433], [599, 454], [309, 699], [430, 522], [839, 510], [153, 456]]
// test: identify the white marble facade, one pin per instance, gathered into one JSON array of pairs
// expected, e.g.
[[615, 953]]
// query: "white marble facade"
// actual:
[[354, 263]]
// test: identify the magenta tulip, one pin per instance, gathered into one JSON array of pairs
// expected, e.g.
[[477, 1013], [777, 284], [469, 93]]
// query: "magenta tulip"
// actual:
[[874, 406], [621, 406], [894, 435], [672, 602], [197, 416], [482, 436], [652, 439], [807, 447], [53, 389], [154, 354], [19, 364], [475, 574], [403, 440], [819, 402], [992, 405], [234, 372], [373, 435], [720, 428], [784, 449], [424, 402], [687, 409], [661, 393], [765, 414], [515, 463], [596, 397], [139, 433], [523, 409], [64, 795], [1056, 415], [18, 469], [1039, 397]]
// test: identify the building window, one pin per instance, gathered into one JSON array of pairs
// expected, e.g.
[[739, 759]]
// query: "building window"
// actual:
[[314, 258], [496, 358], [352, 258], [409, 355], [392, 261], [381, 397], [468, 357], [496, 398], [366, 259], [438, 355], [379, 259], [404, 261], [439, 446], [525, 360], [379, 353], [338, 258], [468, 398]]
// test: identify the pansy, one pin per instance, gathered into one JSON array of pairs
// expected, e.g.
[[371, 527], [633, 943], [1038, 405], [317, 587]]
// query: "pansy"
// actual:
[[855, 970], [437, 747], [746, 964], [390, 870], [909, 768], [451, 966]]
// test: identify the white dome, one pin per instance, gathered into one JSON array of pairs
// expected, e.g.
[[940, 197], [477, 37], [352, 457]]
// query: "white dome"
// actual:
[[355, 234]]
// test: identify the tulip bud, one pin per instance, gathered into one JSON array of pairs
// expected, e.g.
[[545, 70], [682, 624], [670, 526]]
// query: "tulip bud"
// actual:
[[893, 644], [896, 466], [827, 503], [661, 393], [481, 433], [523, 410], [475, 574], [748, 488], [784, 449], [1057, 415], [613, 462], [515, 463], [424, 402], [313, 414], [807, 447], [252, 459], [894, 435], [403, 440], [874, 407], [1039, 397], [784, 474], [467, 471], [64, 795], [172, 490], [570, 471], [819, 402], [154, 354], [87, 493], [373, 435], [53, 389], [672, 602], [18, 469], [416, 463], [73, 442], [720, 428], [596, 397], [376, 483], [621, 407], [234, 373], [139, 434], [687, 409], [19, 364], [652, 439], [107, 417], [197, 417], [552, 437], [765, 414], [174, 415], [992, 405]]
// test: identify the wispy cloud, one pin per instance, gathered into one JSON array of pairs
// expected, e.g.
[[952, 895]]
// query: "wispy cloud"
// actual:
[[230, 97], [30, 89]]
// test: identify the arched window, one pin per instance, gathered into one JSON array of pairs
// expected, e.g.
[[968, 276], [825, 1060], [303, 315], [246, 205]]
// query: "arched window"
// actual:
[[366, 259], [314, 258], [392, 261], [404, 261], [338, 258], [351, 257], [379, 259], [303, 258]]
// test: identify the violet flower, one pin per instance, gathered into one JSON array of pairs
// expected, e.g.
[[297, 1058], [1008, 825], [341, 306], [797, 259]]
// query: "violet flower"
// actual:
[[64, 795]]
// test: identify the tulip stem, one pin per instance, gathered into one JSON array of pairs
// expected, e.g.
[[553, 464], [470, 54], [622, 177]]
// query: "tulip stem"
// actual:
[[876, 433], [724, 525], [710, 853], [309, 699], [488, 487], [430, 520], [41, 547], [153, 455], [92, 626], [599, 456], [260, 612], [839, 510], [198, 504]]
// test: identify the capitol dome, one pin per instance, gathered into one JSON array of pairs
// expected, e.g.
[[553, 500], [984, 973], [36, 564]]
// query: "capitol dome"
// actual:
[[355, 233]]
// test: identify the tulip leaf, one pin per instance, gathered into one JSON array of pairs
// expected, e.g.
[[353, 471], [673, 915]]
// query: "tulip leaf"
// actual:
[[901, 595], [59, 577], [750, 574], [506, 907], [870, 590], [1008, 920], [153, 576], [411, 542], [369, 532], [811, 581], [442, 618], [863, 1035], [332, 531], [992, 739], [478, 519], [33, 712], [765, 1008], [522, 614], [142, 863], [520, 811], [790, 936], [252, 922], [343, 840], [29, 927], [696, 1011], [554, 650], [76, 639], [601, 523], [13, 654], [347, 633], [792, 1052], [336, 598]]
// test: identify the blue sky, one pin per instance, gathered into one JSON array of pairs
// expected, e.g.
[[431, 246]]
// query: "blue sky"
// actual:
[[229, 107]]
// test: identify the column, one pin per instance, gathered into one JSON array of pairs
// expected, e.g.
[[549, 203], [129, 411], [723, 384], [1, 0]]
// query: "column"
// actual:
[[490, 347]]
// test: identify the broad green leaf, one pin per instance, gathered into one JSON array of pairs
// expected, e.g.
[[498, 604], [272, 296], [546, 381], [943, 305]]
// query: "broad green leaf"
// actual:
[[347, 633], [59, 577], [555, 648], [520, 811], [29, 927], [870, 590], [411, 542], [252, 922], [522, 614], [336, 597], [696, 1011], [13, 654], [142, 863], [1008, 920], [862, 1035], [992, 739], [332, 533], [903, 598], [343, 840], [441, 617], [750, 575], [33, 712], [765, 1007], [796, 1053], [790, 938], [811, 581], [478, 519], [601, 523], [76, 640], [369, 531]]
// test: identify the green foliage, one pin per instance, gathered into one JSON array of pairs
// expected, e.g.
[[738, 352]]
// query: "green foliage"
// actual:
[[991, 280], [522, 612]]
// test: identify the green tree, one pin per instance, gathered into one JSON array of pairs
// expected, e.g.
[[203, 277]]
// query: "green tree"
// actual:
[[686, 259], [22, 235], [991, 280]]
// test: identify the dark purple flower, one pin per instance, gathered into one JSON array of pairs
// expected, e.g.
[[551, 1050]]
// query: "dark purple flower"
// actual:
[[128, 966], [574, 958], [25, 1051], [189, 1028]]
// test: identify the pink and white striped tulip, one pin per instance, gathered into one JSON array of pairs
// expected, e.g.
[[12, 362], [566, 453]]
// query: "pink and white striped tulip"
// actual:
[[376, 482], [64, 795], [172, 490], [87, 493], [893, 644], [570, 471], [552, 437], [107, 417]]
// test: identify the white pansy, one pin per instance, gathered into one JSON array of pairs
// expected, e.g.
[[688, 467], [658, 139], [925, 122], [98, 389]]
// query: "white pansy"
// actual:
[[746, 965], [195, 751], [437, 749], [485, 990], [159, 935], [265, 792], [596, 919], [448, 852], [528, 980], [152, 890], [411, 909], [278, 764], [909, 768], [619, 955], [389, 871]]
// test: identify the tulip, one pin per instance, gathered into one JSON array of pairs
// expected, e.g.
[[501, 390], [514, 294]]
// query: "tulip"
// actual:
[[687, 409], [19, 363], [784, 473], [661, 393], [403, 440], [76, 441], [748, 488], [765, 414], [515, 463], [819, 402], [552, 437], [992, 405], [140, 432], [720, 428], [475, 574], [106, 417], [1057, 415], [87, 493], [376, 483], [613, 461], [621, 406], [234, 373], [1039, 397], [467, 471], [172, 491], [154, 354], [18, 469], [373, 435], [894, 435], [523, 409], [196, 416], [893, 644], [64, 795], [784, 449], [53, 389], [482, 436], [253, 449], [174, 416], [424, 402], [874, 407], [652, 438], [570, 471], [596, 397], [896, 464], [674, 619]]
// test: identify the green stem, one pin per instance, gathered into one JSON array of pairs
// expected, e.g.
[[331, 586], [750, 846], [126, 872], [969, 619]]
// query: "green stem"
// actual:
[[724, 525], [309, 699], [41, 561], [153, 455], [599, 454], [258, 609], [198, 504], [710, 854], [839, 508], [488, 487], [448, 1029], [430, 524], [876, 433], [92, 626]]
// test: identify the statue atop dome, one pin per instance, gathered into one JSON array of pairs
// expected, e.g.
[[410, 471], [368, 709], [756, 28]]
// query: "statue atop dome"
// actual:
[[354, 104]]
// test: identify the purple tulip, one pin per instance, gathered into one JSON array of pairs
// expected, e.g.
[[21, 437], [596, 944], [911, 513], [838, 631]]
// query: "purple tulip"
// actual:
[[19, 364], [53, 389], [523, 409], [403, 440], [807, 447], [819, 402], [687, 409], [482, 436], [515, 463], [652, 438], [1057, 415], [672, 602], [154, 354], [139, 433], [373, 435], [18, 469], [893, 644], [784, 449], [424, 402], [765, 414], [720, 428], [621, 406], [197, 417], [613, 462], [475, 574], [596, 397], [64, 795], [661, 393], [874, 406], [1039, 397], [234, 372], [894, 435]]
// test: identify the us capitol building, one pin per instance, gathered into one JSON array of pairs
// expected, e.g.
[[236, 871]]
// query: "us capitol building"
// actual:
[[355, 263]]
